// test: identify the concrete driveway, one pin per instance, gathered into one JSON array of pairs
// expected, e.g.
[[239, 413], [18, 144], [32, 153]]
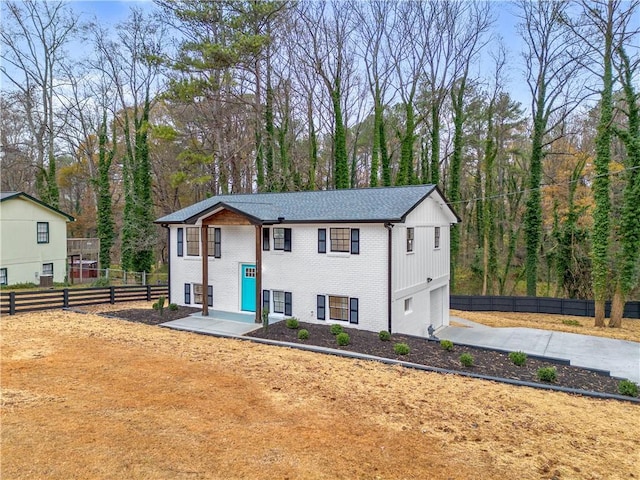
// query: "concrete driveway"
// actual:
[[620, 357]]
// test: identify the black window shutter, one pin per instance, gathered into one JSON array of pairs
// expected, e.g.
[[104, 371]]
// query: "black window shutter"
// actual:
[[217, 243], [353, 310], [265, 238], [322, 240], [210, 295], [287, 239], [320, 307], [355, 241], [287, 304], [265, 300], [180, 242], [187, 292]]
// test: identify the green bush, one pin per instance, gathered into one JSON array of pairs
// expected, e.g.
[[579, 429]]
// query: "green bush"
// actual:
[[547, 374], [336, 329], [401, 349], [343, 339], [19, 286], [384, 336], [466, 359], [572, 323], [159, 305], [265, 320], [293, 323], [173, 307], [101, 282], [518, 358], [628, 388], [303, 334], [446, 345]]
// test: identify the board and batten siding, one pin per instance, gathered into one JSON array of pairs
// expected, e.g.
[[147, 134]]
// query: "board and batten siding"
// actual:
[[21, 254], [422, 275], [307, 273]]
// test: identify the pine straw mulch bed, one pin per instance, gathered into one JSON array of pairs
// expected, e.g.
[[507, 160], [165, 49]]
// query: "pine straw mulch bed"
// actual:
[[486, 362]]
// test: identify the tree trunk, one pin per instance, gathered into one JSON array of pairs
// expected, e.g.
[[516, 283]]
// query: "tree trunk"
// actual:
[[617, 308], [599, 307]]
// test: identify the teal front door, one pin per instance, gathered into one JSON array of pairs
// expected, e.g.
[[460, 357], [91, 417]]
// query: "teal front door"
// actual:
[[248, 286]]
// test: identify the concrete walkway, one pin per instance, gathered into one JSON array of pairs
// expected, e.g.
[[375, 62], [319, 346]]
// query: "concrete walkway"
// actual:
[[211, 326], [620, 357]]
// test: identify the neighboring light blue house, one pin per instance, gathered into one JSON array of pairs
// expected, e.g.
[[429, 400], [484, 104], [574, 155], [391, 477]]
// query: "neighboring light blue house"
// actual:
[[374, 259]]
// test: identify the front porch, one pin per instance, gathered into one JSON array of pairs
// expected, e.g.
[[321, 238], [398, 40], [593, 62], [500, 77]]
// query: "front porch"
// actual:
[[219, 322]]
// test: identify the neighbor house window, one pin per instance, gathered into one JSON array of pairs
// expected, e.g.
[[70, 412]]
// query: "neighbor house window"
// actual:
[[193, 241], [180, 242], [3, 276], [436, 238], [410, 237], [214, 242], [47, 269], [43, 232], [282, 239]]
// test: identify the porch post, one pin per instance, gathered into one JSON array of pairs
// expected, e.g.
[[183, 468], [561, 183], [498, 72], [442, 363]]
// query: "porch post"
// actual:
[[258, 273], [204, 238]]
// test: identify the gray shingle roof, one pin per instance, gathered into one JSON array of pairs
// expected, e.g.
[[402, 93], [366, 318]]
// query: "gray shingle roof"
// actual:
[[358, 205]]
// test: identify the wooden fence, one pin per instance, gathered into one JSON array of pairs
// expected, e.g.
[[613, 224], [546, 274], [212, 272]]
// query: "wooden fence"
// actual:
[[19, 302], [558, 306]]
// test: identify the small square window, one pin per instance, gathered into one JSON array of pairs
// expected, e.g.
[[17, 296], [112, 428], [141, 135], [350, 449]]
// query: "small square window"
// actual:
[[339, 308], [436, 238], [408, 305], [43, 232], [3, 276], [410, 237], [47, 269], [340, 239]]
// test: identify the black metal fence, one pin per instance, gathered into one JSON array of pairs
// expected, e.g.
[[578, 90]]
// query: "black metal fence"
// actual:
[[31, 301], [558, 306]]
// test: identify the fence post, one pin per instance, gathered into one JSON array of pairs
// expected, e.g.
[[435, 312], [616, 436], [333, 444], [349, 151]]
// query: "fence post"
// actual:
[[148, 293], [65, 298], [106, 273], [12, 303], [112, 295], [144, 277]]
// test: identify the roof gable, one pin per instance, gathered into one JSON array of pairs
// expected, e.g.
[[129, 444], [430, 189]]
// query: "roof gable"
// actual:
[[373, 205], [4, 196]]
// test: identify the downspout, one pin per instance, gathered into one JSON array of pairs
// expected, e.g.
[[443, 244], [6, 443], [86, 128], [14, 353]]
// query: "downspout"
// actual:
[[389, 227], [204, 236], [258, 273], [169, 262]]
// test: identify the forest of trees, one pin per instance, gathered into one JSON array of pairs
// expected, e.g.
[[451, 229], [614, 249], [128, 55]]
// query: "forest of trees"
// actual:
[[120, 124]]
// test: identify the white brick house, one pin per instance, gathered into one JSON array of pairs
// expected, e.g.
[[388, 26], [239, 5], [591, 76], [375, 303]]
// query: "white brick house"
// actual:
[[375, 259]]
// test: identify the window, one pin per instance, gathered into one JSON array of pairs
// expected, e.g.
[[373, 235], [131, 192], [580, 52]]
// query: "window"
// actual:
[[214, 242], [355, 241], [187, 293], [353, 310], [320, 307], [180, 242], [278, 302], [3, 276], [47, 269], [410, 237], [408, 305], [265, 238], [322, 240], [193, 240], [43, 232], [436, 238], [197, 294], [282, 239], [265, 300], [338, 308], [340, 238]]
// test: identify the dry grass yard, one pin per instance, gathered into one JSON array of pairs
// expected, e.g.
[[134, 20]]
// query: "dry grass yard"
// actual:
[[563, 323], [89, 397]]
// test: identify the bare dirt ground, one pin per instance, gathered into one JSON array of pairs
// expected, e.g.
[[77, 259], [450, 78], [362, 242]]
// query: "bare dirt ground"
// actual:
[[88, 397], [630, 329]]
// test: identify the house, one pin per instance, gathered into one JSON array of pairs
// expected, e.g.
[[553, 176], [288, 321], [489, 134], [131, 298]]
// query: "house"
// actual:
[[374, 259], [33, 240]]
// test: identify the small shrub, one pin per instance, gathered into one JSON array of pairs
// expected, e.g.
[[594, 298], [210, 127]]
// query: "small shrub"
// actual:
[[446, 345], [466, 359], [343, 339], [572, 323], [401, 349], [159, 305], [336, 329], [303, 334], [101, 282], [293, 323], [628, 388], [173, 307], [384, 336], [518, 358], [265, 320], [547, 374]]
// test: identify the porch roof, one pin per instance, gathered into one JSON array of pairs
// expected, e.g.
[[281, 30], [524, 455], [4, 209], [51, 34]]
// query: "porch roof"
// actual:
[[386, 204]]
